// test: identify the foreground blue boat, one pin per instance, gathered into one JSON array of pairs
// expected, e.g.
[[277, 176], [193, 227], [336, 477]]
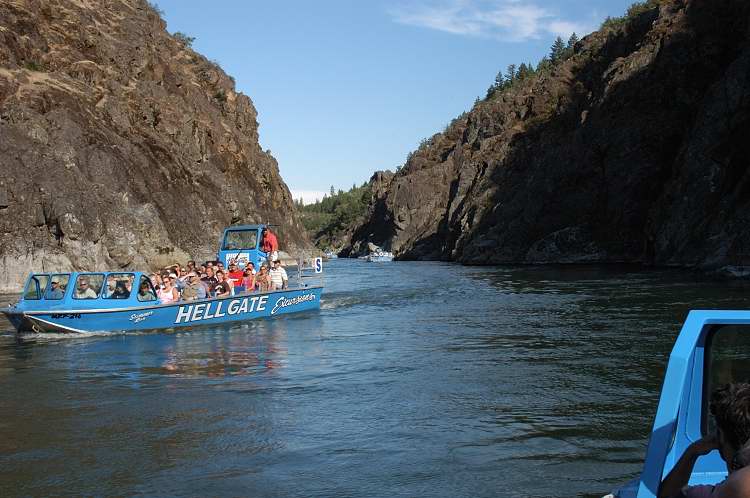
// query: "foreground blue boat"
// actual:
[[50, 304], [713, 349]]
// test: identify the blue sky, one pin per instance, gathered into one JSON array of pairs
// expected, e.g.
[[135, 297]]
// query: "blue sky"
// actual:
[[345, 88]]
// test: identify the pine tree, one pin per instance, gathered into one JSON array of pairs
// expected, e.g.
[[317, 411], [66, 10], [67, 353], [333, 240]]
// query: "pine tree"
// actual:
[[544, 65], [333, 191], [557, 52], [499, 80], [510, 74], [572, 41], [523, 71]]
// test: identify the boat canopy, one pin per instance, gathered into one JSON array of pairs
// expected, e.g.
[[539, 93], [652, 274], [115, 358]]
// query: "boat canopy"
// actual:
[[86, 290]]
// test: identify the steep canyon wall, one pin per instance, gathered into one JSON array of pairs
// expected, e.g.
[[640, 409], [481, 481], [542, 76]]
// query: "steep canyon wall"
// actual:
[[120, 147]]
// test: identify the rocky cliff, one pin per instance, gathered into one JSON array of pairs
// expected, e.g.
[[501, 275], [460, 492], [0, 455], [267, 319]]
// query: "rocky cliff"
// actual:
[[634, 149], [120, 147]]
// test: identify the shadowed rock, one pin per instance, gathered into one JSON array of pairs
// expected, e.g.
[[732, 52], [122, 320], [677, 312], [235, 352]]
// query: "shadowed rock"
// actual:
[[632, 150]]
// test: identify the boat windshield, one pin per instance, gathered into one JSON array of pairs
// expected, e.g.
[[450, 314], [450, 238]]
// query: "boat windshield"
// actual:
[[35, 287], [240, 239], [58, 284], [727, 360]]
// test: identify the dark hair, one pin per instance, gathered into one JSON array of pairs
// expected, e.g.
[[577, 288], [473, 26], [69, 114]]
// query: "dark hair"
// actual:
[[730, 406]]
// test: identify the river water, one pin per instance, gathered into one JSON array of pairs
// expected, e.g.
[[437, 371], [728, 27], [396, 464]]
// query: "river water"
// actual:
[[414, 379]]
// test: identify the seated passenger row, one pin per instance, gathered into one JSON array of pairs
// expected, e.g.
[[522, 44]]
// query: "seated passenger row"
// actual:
[[173, 284]]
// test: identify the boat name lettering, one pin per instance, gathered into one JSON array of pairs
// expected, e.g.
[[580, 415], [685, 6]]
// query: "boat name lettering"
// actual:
[[139, 317], [284, 302], [66, 315], [216, 309]]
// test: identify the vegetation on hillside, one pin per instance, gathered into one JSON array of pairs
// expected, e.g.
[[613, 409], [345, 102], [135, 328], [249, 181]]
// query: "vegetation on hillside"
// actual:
[[328, 219]]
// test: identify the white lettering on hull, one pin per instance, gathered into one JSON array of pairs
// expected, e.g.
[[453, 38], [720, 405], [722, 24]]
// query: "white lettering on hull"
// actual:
[[189, 313]]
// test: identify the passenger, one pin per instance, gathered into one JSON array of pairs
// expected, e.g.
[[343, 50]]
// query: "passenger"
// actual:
[[145, 293], [191, 266], [194, 289], [235, 276], [156, 280], [55, 292], [278, 276], [248, 279], [270, 245], [251, 266], [109, 289], [730, 407], [262, 279], [202, 269], [210, 280], [222, 287], [179, 284], [129, 283], [168, 293], [121, 291], [84, 290]]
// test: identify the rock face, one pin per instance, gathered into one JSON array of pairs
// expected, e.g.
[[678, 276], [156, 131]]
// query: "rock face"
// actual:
[[120, 147], [633, 150]]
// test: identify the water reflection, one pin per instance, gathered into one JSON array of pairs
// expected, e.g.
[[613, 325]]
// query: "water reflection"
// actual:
[[245, 350]]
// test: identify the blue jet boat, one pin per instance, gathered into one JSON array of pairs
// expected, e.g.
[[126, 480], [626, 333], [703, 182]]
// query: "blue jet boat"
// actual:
[[126, 300], [712, 349]]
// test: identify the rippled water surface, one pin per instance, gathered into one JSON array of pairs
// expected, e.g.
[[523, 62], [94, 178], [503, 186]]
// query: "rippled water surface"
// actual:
[[414, 379]]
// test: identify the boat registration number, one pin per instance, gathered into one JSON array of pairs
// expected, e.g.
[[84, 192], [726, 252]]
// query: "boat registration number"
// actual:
[[66, 315]]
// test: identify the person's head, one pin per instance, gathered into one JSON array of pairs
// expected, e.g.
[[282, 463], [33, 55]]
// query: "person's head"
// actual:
[[220, 276], [247, 272], [250, 265], [144, 288], [210, 271], [191, 264], [232, 267], [221, 265], [54, 285], [730, 406], [277, 264], [203, 268], [193, 276], [83, 283]]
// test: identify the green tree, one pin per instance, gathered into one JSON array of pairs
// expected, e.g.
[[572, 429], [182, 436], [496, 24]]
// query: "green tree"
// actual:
[[510, 74], [557, 51], [184, 39], [333, 191], [523, 71], [572, 41]]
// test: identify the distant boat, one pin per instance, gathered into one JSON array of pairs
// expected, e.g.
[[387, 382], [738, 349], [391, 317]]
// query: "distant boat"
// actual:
[[331, 255], [84, 302], [712, 349], [380, 257]]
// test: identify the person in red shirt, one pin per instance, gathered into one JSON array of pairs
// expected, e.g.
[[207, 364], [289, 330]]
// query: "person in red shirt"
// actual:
[[235, 276], [270, 245]]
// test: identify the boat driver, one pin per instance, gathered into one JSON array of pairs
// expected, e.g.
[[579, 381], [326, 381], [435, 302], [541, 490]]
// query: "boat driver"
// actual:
[[55, 292], [730, 407]]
